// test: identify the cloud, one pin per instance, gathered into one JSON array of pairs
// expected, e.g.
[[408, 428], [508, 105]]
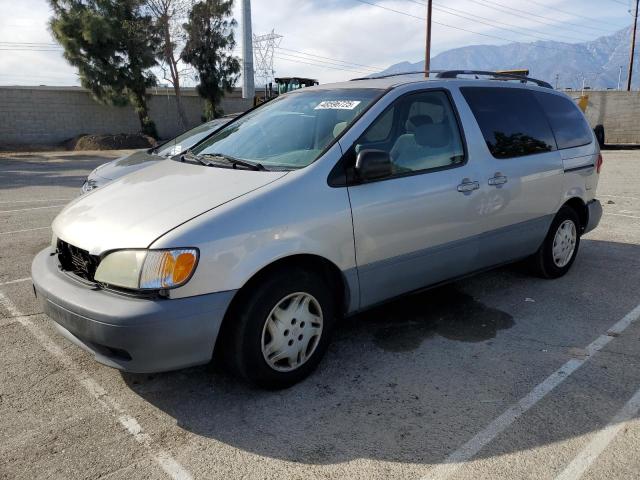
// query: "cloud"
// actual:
[[26, 21]]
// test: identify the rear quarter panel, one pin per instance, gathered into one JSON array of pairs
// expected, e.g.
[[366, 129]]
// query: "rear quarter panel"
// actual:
[[580, 176]]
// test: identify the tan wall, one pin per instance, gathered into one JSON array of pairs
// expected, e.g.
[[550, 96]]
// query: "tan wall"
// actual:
[[50, 115], [618, 111]]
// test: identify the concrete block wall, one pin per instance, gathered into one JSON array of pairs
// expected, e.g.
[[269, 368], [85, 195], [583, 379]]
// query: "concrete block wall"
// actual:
[[618, 112], [50, 115]]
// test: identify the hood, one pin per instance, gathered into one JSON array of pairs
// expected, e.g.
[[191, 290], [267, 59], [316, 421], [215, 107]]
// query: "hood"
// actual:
[[135, 210], [125, 165]]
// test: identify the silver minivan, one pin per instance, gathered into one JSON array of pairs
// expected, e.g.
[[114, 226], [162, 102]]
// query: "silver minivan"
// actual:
[[318, 204]]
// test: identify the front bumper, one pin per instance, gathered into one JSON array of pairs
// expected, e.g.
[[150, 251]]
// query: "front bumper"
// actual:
[[595, 214], [129, 333]]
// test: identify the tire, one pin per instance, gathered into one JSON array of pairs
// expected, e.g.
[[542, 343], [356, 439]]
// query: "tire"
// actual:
[[548, 263], [249, 341], [599, 132]]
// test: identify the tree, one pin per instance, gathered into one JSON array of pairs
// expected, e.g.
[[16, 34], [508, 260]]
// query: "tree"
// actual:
[[113, 44], [210, 42], [169, 16]]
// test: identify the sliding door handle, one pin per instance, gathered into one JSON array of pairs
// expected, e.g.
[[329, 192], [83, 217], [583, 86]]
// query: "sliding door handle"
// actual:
[[497, 180], [468, 186]]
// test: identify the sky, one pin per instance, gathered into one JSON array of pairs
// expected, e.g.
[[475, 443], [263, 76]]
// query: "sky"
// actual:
[[334, 40]]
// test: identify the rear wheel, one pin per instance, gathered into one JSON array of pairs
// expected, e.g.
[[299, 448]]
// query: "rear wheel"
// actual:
[[281, 328], [560, 247]]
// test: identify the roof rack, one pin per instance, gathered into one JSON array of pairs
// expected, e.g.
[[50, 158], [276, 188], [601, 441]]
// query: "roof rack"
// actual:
[[455, 73], [496, 75], [395, 75]]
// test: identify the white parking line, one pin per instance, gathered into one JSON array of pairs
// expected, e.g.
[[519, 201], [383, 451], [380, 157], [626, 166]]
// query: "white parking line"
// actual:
[[603, 438], [621, 215], [25, 230], [19, 280], [32, 208], [131, 425], [618, 196], [463, 454], [38, 201]]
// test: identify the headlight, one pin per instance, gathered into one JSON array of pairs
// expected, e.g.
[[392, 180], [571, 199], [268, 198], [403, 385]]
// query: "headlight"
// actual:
[[147, 269], [89, 185]]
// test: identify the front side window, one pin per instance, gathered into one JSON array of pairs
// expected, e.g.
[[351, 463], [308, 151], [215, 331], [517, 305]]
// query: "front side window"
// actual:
[[291, 131], [511, 120], [568, 124], [420, 132]]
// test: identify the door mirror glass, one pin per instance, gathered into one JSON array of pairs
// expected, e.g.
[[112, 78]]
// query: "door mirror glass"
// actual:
[[373, 164]]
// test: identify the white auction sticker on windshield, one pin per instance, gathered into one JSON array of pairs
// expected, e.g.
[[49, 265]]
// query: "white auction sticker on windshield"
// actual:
[[338, 105]]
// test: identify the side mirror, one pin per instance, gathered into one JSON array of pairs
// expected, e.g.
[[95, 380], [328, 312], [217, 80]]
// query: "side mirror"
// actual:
[[373, 164]]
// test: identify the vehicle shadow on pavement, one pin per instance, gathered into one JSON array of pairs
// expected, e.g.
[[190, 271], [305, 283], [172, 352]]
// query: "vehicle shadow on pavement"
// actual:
[[35, 170], [414, 379]]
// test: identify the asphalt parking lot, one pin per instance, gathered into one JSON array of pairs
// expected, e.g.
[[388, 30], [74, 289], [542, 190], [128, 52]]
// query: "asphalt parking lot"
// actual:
[[498, 376]]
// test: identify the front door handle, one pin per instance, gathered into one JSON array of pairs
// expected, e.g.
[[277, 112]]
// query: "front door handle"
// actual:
[[468, 186], [498, 180]]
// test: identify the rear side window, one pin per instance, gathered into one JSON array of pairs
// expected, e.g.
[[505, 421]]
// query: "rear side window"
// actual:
[[568, 124], [511, 119]]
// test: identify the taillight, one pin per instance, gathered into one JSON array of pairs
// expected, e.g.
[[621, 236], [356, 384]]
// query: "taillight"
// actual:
[[599, 163]]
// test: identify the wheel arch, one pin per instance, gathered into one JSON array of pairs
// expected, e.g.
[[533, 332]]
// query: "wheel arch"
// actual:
[[338, 281], [578, 205]]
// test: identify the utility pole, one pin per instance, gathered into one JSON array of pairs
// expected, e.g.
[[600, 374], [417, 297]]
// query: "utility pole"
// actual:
[[248, 84], [619, 77], [633, 47], [427, 53]]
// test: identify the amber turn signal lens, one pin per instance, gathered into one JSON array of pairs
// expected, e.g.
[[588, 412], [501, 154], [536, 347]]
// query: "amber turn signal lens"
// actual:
[[183, 267], [168, 268]]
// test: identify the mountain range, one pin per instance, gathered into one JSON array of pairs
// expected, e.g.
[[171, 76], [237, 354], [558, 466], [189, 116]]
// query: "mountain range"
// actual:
[[564, 65]]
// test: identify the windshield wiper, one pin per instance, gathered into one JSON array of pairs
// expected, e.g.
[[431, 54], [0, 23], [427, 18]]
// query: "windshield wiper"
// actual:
[[189, 155], [236, 161]]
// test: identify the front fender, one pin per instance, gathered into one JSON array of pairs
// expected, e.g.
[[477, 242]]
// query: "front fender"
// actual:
[[299, 215]]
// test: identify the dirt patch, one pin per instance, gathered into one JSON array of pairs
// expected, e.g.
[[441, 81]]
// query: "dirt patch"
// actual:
[[110, 142]]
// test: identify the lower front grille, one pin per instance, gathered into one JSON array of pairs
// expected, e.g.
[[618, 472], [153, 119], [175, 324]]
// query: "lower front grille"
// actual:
[[77, 261]]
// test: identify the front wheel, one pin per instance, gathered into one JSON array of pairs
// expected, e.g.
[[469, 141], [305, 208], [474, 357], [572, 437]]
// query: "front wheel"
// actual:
[[281, 328], [560, 247]]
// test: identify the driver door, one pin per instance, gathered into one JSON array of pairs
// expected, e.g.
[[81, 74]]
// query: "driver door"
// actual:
[[418, 226]]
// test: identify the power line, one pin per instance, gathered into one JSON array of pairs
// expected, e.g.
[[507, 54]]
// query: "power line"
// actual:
[[419, 2], [591, 19], [351, 67], [29, 46], [493, 23], [334, 59], [451, 26], [30, 49], [296, 60], [501, 7], [323, 62]]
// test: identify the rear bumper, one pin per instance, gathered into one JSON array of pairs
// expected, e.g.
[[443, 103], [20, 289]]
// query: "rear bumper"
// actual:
[[129, 333], [595, 214]]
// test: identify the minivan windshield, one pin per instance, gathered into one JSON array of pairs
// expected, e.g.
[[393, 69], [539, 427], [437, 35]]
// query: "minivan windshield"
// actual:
[[291, 131], [190, 137]]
